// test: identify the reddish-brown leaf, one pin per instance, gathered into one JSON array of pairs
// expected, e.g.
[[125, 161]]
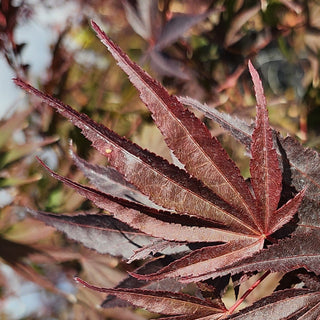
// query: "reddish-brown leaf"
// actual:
[[284, 214], [201, 264], [266, 176], [299, 251], [164, 302], [171, 285]]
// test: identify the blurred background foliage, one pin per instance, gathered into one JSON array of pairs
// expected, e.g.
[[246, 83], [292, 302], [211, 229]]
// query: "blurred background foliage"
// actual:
[[195, 48]]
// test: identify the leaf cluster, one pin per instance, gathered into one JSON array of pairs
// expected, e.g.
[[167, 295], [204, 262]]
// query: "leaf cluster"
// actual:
[[206, 44], [200, 213]]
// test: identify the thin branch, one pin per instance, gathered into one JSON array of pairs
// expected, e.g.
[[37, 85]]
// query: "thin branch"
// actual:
[[244, 296]]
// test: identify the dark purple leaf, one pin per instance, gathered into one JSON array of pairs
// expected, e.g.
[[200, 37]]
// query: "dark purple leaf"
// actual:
[[154, 265], [164, 302], [304, 167], [102, 233], [140, 18], [166, 66], [234, 33], [177, 26], [310, 280]]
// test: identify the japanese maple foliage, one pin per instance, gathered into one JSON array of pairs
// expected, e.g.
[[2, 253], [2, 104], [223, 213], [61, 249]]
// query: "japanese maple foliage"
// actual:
[[205, 218]]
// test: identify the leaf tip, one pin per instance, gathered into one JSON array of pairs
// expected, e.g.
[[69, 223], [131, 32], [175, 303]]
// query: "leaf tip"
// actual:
[[94, 25], [82, 282], [89, 286], [252, 70], [77, 279], [101, 35], [19, 82], [27, 87], [41, 162]]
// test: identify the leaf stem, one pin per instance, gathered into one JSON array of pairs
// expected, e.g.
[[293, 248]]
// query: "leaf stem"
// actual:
[[244, 296], [272, 240]]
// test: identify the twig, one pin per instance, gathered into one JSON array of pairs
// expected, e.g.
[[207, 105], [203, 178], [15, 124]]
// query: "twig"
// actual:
[[244, 296]]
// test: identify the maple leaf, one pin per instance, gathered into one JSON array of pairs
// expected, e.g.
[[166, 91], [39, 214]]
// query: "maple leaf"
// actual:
[[208, 161], [208, 202]]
